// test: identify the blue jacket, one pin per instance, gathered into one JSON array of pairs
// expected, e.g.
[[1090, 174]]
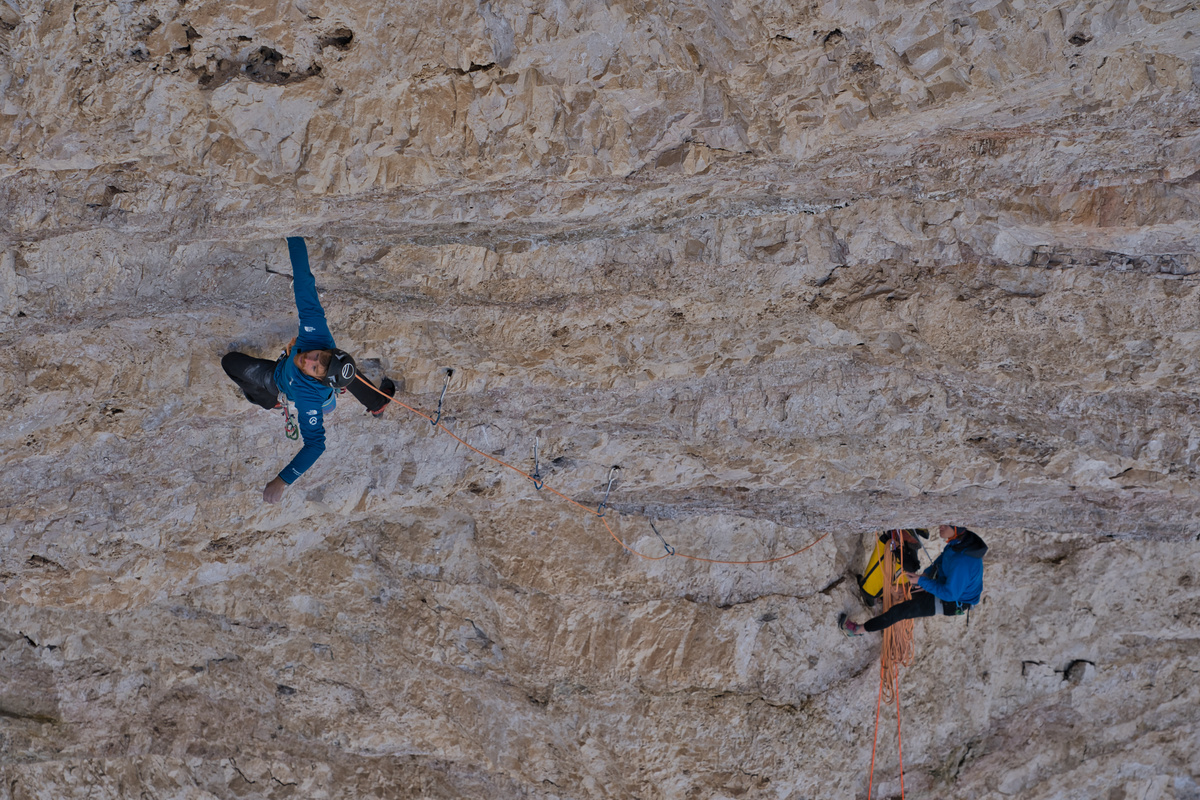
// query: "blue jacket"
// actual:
[[956, 576], [311, 397]]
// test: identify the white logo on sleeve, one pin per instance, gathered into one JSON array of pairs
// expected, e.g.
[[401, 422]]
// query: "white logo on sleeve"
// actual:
[[308, 329], [312, 412], [312, 420]]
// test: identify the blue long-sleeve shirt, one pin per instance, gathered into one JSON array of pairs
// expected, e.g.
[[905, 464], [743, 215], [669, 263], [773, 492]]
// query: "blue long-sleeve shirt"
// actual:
[[956, 576], [311, 397]]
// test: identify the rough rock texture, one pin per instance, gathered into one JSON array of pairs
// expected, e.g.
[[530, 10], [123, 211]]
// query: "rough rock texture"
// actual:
[[798, 268]]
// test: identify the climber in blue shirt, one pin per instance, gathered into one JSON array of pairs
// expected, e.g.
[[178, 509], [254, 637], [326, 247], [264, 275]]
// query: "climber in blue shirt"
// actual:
[[310, 375], [949, 586]]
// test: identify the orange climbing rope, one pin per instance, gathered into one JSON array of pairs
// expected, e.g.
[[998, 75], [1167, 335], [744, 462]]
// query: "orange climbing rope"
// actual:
[[593, 512], [897, 649], [897, 652]]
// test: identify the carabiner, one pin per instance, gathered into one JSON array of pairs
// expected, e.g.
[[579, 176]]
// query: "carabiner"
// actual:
[[670, 550], [445, 384], [611, 477], [537, 470], [290, 429]]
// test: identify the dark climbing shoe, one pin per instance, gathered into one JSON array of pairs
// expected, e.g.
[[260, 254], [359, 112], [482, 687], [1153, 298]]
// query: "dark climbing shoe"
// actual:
[[388, 388], [849, 628]]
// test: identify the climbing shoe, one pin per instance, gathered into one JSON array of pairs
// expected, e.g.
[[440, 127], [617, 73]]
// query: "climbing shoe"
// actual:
[[388, 388], [849, 628]]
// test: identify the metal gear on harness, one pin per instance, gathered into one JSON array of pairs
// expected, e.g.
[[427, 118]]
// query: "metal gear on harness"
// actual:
[[290, 429]]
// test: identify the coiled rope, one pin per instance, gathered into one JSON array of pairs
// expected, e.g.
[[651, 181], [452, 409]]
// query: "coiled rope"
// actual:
[[897, 649], [598, 513], [897, 652]]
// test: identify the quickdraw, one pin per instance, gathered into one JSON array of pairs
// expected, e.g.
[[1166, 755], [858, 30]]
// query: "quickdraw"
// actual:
[[290, 429], [670, 550], [612, 474], [445, 385], [536, 475]]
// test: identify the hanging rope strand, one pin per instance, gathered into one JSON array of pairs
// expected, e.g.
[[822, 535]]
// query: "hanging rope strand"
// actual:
[[897, 651], [899, 742], [437, 424], [875, 738]]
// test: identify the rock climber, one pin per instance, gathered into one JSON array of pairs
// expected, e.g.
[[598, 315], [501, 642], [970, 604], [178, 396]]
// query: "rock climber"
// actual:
[[904, 540], [311, 374], [950, 585]]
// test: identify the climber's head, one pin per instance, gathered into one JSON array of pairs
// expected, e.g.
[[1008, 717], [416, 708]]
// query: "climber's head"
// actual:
[[333, 368], [949, 532], [313, 363]]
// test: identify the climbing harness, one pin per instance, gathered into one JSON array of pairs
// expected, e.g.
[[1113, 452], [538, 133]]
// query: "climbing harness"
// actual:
[[435, 421], [290, 429]]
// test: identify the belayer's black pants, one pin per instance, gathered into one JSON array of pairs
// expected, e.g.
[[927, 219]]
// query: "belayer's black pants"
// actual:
[[922, 605], [256, 378]]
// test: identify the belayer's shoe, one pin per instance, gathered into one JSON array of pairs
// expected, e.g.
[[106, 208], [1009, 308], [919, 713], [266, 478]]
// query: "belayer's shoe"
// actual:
[[849, 628], [388, 388]]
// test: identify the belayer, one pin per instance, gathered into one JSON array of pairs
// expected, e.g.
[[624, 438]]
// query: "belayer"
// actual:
[[310, 374], [950, 585]]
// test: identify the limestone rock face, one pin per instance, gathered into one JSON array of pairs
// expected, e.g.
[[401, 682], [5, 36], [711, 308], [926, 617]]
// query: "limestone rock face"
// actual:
[[801, 270]]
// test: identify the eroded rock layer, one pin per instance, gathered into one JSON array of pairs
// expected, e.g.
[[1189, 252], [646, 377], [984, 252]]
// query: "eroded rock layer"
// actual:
[[799, 269]]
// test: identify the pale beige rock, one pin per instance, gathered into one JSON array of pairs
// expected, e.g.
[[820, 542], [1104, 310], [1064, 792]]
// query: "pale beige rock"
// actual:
[[799, 269]]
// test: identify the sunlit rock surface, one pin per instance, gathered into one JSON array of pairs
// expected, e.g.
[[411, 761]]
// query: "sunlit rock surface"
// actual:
[[799, 269]]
